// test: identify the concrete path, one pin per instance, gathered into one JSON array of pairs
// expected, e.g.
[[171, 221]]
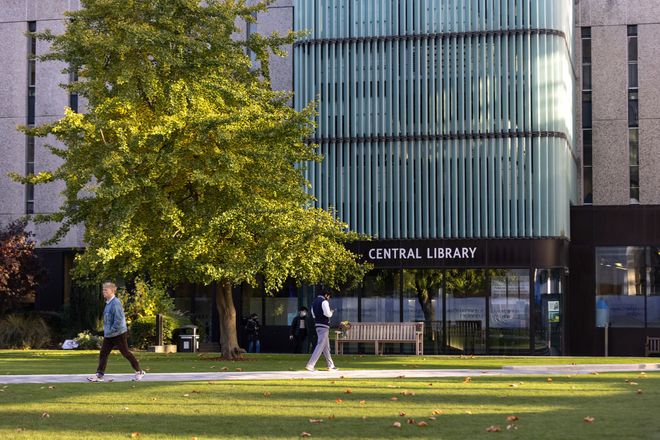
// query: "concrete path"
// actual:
[[348, 374]]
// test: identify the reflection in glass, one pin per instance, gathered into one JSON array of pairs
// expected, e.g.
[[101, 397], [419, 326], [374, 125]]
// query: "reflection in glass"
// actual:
[[380, 301], [345, 306], [653, 287], [466, 310], [281, 307], [620, 286], [422, 301], [509, 311], [548, 292]]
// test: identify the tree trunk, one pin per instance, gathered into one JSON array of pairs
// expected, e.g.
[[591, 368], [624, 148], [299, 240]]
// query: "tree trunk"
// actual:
[[227, 317]]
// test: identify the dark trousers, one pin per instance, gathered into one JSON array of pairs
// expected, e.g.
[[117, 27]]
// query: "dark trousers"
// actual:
[[301, 343], [121, 342]]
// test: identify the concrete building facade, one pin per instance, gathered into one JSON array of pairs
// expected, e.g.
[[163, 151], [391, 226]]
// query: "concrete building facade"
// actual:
[[524, 132]]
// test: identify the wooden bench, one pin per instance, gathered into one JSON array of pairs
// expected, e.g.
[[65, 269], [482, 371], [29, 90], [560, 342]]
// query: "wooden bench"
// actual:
[[381, 333], [652, 345]]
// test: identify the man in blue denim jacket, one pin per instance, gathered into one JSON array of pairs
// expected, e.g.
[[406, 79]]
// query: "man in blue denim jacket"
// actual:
[[115, 334]]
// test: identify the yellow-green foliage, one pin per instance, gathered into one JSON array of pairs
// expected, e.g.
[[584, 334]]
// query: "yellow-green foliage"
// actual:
[[185, 164]]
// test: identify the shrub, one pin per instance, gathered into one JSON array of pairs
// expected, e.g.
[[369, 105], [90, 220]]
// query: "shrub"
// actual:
[[20, 331], [143, 330], [87, 341], [21, 270], [146, 300]]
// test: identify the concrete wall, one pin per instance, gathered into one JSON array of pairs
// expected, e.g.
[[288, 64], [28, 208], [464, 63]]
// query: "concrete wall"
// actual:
[[608, 20]]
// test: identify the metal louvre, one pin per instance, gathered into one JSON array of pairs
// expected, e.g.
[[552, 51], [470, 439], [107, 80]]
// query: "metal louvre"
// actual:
[[441, 119]]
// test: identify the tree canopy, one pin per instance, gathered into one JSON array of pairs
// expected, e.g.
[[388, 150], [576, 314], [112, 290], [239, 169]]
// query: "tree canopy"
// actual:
[[186, 165]]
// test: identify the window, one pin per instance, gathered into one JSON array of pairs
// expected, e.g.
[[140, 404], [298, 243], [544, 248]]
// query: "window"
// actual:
[[620, 286], [509, 310], [31, 116], [633, 114], [587, 150], [381, 296]]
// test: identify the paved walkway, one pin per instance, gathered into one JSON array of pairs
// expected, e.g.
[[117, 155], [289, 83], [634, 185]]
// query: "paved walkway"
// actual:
[[348, 374]]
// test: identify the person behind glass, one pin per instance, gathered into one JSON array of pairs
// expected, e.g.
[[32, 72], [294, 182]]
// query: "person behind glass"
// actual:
[[301, 328], [322, 314], [252, 328], [115, 334]]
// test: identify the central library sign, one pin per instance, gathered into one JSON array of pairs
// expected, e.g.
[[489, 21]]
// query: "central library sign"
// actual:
[[476, 253]]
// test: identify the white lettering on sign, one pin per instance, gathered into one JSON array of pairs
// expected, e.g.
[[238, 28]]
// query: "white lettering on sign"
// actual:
[[440, 253]]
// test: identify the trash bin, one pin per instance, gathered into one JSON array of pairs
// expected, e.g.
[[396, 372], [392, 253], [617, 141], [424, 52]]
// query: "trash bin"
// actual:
[[188, 339]]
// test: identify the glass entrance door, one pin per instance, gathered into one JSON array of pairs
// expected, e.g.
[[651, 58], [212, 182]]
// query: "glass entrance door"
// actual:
[[549, 287]]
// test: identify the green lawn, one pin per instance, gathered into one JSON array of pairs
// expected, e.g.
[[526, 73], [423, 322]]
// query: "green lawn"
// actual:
[[78, 362], [282, 409]]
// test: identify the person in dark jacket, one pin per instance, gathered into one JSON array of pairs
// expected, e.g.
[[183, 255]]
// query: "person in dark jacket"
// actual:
[[302, 327], [252, 328], [322, 313]]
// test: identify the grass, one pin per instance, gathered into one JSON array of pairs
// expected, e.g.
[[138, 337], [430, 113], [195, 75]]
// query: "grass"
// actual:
[[282, 409], [80, 362]]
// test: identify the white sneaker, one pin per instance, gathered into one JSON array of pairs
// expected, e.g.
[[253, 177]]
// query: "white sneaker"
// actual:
[[333, 368], [95, 378], [308, 368], [139, 375]]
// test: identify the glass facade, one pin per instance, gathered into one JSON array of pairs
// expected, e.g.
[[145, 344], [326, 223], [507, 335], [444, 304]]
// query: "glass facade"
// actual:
[[441, 119], [628, 286]]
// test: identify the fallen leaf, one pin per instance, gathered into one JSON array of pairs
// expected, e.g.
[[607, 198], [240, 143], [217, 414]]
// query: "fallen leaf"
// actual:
[[315, 420], [338, 400], [224, 369], [186, 395], [135, 434], [467, 380], [394, 398], [437, 412], [422, 424], [362, 402], [549, 380], [332, 382], [153, 398], [494, 428], [45, 415], [512, 419], [430, 384], [267, 394], [408, 393], [348, 391], [305, 434], [639, 391], [402, 376], [212, 366], [239, 369], [411, 421], [589, 419], [331, 417], [431, 418], [396, 424], [125, 408], [402, 413], [632, 383], [513, 385], [468, 412], [512, 426], [52, 387]]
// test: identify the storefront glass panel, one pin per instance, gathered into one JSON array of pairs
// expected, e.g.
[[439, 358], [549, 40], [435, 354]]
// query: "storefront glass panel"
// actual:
[[466, 310], [509, 311], [346, 306], [620, 286], [281, 307], [381, 296], [653, 287]]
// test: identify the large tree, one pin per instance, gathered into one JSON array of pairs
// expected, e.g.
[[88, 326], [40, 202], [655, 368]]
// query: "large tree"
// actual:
[[187, 165]]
